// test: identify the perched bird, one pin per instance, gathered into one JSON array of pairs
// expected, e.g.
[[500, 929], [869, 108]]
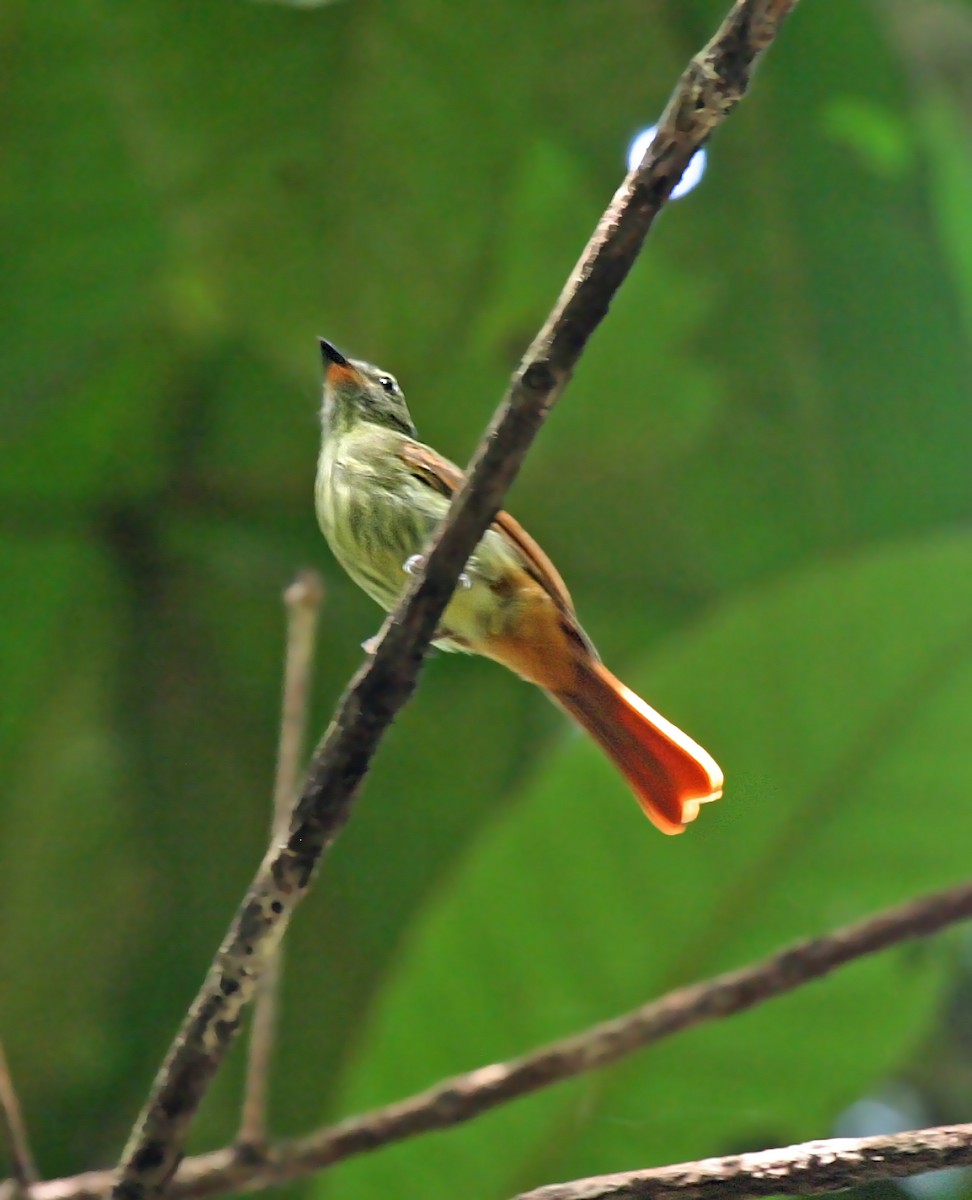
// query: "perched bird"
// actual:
[[380, 493]]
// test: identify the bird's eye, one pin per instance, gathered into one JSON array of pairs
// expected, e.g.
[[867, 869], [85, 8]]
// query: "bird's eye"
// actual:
[[389, 384]]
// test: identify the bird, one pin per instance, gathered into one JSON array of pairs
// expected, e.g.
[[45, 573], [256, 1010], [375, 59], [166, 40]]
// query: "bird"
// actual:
[[379, 495]]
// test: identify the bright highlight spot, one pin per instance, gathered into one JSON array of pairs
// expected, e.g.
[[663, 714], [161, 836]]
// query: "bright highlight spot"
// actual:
[[693, 172]]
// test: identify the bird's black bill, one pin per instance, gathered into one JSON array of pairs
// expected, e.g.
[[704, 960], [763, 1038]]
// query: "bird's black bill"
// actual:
[[331, 354]]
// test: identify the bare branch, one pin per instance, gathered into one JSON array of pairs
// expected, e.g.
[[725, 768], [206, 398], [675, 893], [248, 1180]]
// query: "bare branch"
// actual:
[[803, 1170], [23, 1169], [711, 86], [303, 600], [465, 1097]]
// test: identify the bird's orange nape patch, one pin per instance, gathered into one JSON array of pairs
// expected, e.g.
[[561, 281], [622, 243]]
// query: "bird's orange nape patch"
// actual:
[[342, 373]]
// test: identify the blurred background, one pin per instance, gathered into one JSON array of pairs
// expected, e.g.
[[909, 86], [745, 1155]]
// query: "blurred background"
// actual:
[[758, 488]]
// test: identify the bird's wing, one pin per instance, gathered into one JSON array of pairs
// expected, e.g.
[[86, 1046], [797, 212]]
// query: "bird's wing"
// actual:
[[446, 478]]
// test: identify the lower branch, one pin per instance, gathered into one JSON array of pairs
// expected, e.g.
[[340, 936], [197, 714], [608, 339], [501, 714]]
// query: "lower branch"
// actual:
[[465, 1097], [803, 1170]]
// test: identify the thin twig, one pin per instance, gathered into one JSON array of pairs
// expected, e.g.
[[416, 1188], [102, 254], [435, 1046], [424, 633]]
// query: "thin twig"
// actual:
[[803, 1170], [711, 86], [23, 1169], [302, 600], [465, 1097]]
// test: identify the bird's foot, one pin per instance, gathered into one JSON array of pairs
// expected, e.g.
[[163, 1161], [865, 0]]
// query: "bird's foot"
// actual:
[[370, 645], [412, 566]]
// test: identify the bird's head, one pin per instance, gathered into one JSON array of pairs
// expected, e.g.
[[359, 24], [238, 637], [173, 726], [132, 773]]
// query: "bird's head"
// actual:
[[357, 392]]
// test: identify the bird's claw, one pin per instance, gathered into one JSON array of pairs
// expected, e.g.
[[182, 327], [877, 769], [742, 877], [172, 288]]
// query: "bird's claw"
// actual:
[[414, 564]]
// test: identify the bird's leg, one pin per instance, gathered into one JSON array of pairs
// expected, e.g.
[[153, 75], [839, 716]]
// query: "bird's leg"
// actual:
[[412, 566]]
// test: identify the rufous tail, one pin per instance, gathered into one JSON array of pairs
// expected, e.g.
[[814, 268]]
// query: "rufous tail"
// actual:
[[669, 773]]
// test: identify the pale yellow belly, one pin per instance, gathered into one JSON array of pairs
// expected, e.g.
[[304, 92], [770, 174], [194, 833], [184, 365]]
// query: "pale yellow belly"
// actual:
[[374, 545]]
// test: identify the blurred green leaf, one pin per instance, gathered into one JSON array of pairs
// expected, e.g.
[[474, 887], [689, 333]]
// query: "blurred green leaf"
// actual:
[[948, 151], [836, 700]]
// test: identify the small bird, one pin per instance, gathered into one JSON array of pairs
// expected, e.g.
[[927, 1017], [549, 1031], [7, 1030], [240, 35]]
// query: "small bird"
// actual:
[[380, 493]]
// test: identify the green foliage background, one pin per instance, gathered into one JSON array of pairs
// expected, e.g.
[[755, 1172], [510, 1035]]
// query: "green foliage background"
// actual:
[[757, 486]]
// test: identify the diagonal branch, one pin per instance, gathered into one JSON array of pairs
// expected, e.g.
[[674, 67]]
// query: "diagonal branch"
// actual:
[[465, 1097], [824, 1166], [713, 83]]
